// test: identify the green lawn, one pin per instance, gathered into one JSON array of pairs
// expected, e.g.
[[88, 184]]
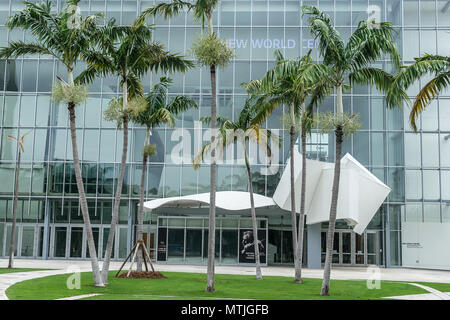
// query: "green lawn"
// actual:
[[192, 285], [6, 270]]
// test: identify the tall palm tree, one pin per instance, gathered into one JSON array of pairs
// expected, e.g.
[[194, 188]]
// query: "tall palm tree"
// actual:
[[213, 53], [56, 36], [245, 130], [290, 82], [349, 64], [438, 66], [129, 56], [155, 111], [19, 142]]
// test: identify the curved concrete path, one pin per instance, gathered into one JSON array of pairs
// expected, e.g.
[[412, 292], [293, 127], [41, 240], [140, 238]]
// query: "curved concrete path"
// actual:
[[350, 273]]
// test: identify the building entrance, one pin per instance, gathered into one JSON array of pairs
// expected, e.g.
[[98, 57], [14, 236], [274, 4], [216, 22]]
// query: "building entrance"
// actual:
[[352, 249]]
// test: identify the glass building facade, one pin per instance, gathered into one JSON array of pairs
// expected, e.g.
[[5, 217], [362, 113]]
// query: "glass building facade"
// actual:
[[415, 166]]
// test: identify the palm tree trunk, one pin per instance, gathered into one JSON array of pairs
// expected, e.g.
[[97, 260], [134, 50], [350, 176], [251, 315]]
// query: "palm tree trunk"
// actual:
[[16, 199], [212, 195], [83, 203], [140, 225], [334, 200], [82, 195], [115, 214], [254, 222], [293, 206], [301, 221]]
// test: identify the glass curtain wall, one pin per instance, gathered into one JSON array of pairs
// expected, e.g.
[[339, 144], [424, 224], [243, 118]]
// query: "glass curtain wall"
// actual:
[[183, 239], [413, 165]]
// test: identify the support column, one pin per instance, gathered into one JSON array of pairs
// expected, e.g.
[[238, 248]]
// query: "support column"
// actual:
[[130, 238], [45, 240], [313, 248], [387, 240]]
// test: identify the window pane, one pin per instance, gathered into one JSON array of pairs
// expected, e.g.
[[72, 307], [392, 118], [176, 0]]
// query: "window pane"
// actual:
[[175, 245], [60, 242], [412, 150], [413, 185], [430, 150], [229, 246], [431, 188]]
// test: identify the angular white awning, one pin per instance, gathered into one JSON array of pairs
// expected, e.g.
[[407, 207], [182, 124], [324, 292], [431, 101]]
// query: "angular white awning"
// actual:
[[361, 194], [227, 200]]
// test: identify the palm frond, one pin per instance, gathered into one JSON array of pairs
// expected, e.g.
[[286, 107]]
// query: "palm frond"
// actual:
[[331, 45], [428, 64], [181, 104], [379, 78], [167, 10], [429, 92], [368, 44], [20, 48]]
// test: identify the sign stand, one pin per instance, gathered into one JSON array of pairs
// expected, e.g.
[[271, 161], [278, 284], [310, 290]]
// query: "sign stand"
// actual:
[[139, 245]]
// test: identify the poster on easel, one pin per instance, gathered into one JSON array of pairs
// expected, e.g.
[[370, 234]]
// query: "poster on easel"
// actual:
[[246, 246]]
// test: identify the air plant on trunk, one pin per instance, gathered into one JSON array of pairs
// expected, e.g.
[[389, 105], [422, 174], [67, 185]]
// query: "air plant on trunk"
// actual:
[[155, 111], [290, 83], [211, 52], [57, 36], [128, 53], [245, 130], [349, 63]]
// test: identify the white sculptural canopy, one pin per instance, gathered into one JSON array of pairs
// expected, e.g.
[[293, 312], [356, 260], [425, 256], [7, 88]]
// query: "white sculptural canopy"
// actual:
[[227, 200], [361, 194]]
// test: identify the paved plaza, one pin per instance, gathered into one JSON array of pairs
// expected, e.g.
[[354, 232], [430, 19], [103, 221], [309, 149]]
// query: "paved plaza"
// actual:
[[347, 273]]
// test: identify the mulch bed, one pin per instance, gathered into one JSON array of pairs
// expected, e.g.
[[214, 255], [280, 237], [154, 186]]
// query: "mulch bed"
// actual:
[[143, 275]]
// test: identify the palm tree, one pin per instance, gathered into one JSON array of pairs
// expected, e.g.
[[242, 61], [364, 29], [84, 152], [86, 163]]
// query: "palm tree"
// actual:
[[19, 142], [349, 64], [57, 37], [154, 112], [245, 130], [438, 66], [290, 82], [128, 56], [211, 52]]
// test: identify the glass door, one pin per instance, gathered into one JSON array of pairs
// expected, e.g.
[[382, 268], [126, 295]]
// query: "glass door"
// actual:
[[372, 258], [96, 235], [346, 249], [359, 249], [27, 245], [60, 240], [76, 242], [151, 243], [350, 248]]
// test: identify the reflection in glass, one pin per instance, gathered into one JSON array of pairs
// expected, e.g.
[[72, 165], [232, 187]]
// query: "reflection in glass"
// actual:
[[105, 242], [193, 245], [229, 246], [27, 241], [287, 253], [274, 249], [175, 250], [205, 244], [76, 242], [60, 242], [123, 240]]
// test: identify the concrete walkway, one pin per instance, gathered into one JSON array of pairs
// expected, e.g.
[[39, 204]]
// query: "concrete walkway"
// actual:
[[350, 273], [433, 295]]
